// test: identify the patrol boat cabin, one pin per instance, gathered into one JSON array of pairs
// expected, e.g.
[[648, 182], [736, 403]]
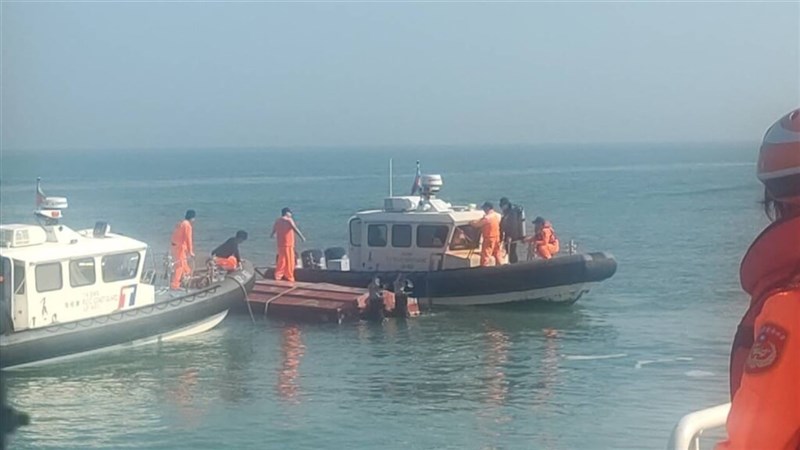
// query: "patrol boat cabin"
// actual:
[[66, 293], [415, 233], [53, 274]]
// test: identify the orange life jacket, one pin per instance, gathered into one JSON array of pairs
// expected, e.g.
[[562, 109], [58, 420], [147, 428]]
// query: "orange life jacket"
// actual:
[[547, 235], [770, 266]]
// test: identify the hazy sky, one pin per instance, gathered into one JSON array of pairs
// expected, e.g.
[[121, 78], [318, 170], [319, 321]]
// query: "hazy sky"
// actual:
[[164, 75]]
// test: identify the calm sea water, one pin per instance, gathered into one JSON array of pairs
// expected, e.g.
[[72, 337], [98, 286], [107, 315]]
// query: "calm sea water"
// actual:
[[628, 360]]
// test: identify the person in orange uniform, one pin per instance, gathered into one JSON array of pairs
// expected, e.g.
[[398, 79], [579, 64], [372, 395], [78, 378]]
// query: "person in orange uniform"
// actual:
[[182, 248], [544, 242], [284, 229], [489, 225], [765, 358], [227, 255]]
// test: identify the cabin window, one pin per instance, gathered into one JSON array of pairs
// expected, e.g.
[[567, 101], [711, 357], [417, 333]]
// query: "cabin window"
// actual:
[[48, 277], [401, 236], [81, 272], [432, 236], [355, 233], [466, 237], [19, 278], [120, 267], [376, 235]]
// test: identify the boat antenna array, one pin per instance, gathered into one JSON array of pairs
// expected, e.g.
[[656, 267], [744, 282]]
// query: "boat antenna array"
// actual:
[[49, 209]]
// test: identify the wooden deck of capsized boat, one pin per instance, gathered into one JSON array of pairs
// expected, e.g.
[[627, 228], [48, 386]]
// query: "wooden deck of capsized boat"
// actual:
[[319, 302]]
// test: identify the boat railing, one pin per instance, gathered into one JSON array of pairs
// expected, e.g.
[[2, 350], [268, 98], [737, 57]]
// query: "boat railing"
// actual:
[[686, 435]]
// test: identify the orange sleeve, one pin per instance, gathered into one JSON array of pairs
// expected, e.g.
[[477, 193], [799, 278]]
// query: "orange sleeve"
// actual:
[[765, 412]]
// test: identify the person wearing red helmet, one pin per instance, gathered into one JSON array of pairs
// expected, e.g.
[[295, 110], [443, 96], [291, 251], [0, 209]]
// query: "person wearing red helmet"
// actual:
[[765, 358]]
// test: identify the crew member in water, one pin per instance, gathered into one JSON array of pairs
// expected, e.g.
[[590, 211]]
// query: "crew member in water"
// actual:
[[182, 248], [512, 228], [765, 358], [227, 255], [544, 242], [285, 229], [489, 225]]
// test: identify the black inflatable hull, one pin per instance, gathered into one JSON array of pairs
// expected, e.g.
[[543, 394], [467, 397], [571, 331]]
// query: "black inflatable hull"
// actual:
[[162, 317], [561, 279]]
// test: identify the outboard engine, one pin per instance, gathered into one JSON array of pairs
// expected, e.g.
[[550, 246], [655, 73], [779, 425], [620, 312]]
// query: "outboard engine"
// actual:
[[336, 259], [312, 259]]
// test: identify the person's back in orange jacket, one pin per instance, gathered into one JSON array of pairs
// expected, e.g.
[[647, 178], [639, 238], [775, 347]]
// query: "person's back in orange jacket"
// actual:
[[489, 225], [182, 247], [765, 359], [284, 229]]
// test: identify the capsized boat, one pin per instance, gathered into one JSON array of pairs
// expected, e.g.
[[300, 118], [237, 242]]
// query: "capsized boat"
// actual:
[[67, 293], [432, 243]]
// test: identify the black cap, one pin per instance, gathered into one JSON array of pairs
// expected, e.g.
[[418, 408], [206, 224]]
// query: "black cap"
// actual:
[[487, 205], [190, 214], [285, 210]]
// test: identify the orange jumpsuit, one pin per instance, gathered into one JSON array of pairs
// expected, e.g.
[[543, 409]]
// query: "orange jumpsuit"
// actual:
[[546, 242], [181, 248], [490, 231], [765, 360], [285, 261]]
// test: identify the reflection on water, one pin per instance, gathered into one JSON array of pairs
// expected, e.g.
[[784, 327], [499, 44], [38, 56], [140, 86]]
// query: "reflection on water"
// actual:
[[292, 350], [496, 358], [182, 394], [488, 378]]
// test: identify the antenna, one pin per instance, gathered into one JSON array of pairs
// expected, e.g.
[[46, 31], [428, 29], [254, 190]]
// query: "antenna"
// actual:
[[391, 178]]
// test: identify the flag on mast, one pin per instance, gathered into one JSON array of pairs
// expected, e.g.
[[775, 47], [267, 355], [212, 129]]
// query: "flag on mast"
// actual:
[[417, 186]]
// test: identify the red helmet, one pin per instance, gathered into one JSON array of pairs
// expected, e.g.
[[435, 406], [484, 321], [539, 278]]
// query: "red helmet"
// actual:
[[779, 158]]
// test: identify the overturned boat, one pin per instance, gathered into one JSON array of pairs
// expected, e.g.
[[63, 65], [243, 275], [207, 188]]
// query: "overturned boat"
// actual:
[[67, 293], [432, 244]]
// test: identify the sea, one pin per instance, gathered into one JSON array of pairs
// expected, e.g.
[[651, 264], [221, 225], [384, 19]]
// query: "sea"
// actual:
[[616, 370]]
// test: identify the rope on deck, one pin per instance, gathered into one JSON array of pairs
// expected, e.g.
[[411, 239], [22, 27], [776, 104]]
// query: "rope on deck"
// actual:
[[266, 305]]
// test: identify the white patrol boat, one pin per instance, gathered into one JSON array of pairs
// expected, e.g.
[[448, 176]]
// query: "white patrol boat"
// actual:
[[66, 292], [432, 243]]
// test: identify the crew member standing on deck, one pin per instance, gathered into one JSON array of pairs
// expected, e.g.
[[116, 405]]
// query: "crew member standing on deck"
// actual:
[[285, 228], [182, 248], [512, 228], [227, 255], [489, 225], [765, 358]]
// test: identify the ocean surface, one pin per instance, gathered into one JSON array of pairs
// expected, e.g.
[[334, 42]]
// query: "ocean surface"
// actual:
[[626, 362]]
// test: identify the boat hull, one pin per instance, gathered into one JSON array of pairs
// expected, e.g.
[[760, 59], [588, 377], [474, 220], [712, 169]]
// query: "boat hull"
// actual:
[[175, 317], [561, 280]]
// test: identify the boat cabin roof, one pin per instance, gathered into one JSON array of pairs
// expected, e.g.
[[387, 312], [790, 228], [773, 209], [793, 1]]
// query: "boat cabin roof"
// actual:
[[416, 210], [59, 243]]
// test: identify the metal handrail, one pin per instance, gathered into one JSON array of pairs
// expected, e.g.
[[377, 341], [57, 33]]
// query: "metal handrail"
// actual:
[[686, 435]]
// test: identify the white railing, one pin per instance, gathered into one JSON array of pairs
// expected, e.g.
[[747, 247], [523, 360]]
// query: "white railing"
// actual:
[[686, 435]]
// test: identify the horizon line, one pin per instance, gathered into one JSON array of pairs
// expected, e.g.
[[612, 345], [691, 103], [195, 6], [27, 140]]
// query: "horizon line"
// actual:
[[304, 147]]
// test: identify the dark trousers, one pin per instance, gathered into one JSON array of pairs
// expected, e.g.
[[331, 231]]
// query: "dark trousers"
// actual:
[[512, 252]]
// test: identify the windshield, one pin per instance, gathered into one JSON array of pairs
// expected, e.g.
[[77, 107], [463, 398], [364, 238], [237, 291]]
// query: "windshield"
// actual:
[[465, 237]]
